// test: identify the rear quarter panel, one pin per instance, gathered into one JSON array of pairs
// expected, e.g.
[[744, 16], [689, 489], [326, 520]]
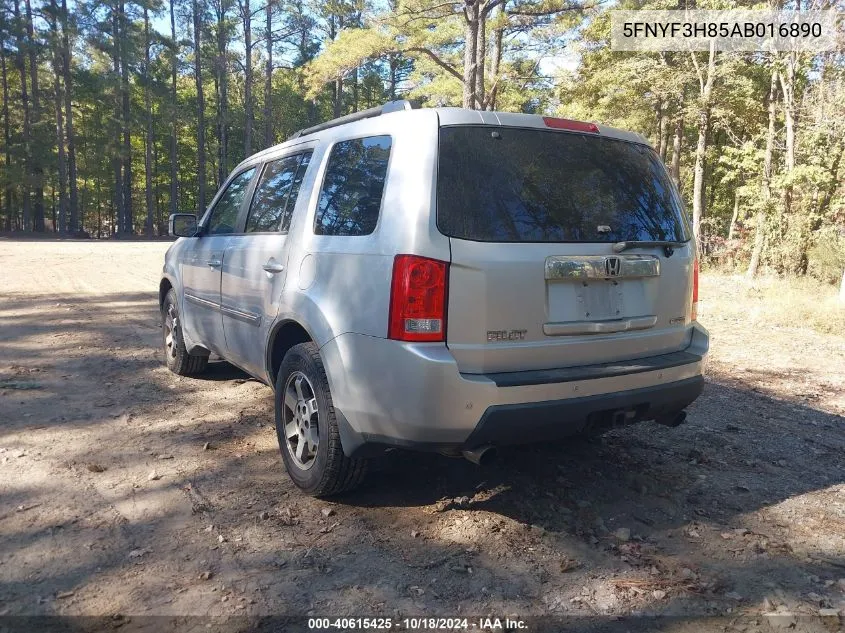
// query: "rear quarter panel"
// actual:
[[339, 284]]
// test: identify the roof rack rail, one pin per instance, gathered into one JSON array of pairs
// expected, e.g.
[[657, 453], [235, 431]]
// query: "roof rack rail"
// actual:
[[391, 106]]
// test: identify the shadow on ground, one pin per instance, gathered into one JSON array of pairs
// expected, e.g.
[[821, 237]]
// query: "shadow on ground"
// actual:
[[645, 519]]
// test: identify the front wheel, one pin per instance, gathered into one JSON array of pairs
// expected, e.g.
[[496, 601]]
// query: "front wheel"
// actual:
[[178, 360], [307, 428]]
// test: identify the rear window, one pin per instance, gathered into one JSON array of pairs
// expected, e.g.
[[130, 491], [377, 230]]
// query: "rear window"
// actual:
[[352, 188], [522, 185]]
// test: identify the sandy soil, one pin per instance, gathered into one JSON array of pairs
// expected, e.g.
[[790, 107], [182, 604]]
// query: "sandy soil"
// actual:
[[127, 490]]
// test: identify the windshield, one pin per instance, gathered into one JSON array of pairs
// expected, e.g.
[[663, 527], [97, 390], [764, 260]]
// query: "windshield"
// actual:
[[525, 185]]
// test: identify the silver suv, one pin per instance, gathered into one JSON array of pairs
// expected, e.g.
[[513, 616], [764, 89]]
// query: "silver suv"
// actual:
[[442, 279]]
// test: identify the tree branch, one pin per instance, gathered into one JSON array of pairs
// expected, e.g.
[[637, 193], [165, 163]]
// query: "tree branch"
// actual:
[[547, 12], [449, 69], [698, 71], [490, 6]]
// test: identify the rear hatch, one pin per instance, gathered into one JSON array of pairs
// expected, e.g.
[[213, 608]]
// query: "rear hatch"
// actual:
[[546, 271]]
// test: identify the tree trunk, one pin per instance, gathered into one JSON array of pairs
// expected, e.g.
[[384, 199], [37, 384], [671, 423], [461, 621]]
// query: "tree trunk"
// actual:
[[718, 143], [197, 19], [26, 200], [268, 76], [496, 60], [355, 90], [99, 208], [394, 79], [9, 221], [61, 225], [481, 58], [662, 130], [222, 94], [174, 62], [157, 222], [70, 132], [247, 20], [470, 53], [760, 229], [338, 97], [117, 202], [148, 141], [698, 176], [787, 82], [215, 162], [678, 138], [114, 216], [37, 168], [337, 87], [701, 147], [128, 225], [734, 217]]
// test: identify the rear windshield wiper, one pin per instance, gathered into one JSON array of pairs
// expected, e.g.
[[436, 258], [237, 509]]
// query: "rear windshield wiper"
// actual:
[[668, 247]]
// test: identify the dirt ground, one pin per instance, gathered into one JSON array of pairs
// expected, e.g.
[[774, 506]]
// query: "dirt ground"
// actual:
[[125, 489]]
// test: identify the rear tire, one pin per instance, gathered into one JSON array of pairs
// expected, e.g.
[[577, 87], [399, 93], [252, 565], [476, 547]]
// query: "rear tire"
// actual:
[[176, 355], [307, 429]]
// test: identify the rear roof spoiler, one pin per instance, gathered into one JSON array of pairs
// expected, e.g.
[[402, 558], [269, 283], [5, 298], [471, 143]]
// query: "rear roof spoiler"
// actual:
[[391, 106]]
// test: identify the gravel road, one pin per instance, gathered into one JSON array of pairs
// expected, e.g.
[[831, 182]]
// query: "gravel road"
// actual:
[[125, 489]]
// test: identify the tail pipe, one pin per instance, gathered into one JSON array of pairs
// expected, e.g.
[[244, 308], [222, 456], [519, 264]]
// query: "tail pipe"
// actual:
[[673, 420], [481, 456]]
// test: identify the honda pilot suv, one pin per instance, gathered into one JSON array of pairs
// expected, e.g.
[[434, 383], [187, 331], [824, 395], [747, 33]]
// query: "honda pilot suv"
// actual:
[[441, 279]]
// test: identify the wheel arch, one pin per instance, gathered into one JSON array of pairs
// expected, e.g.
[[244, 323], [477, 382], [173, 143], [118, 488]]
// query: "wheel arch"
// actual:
[[284, 335], [167, 284], [164, 286]]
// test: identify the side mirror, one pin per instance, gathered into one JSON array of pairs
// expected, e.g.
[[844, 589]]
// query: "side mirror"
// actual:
[[182, 225]]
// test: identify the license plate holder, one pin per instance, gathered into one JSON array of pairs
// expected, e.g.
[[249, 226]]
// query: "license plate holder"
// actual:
[[593, 300]]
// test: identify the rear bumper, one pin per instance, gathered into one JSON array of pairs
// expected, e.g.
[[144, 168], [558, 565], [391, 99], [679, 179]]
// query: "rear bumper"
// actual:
[[539, 421], [388, 393]]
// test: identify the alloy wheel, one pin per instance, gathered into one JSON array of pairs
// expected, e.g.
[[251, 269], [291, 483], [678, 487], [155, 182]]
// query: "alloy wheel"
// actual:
[[171, 325], [300, 418]]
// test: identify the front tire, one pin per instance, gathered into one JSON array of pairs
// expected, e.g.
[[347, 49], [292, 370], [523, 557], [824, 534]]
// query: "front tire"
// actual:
[[307, 429], [176, 355]]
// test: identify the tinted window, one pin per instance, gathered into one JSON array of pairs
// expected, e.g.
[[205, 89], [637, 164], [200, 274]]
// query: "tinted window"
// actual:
[[351, 196], [224, 215], [276, 193], [518, 185]]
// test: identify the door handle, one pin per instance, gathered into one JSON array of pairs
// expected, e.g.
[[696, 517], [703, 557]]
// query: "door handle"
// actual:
[[214, 263], [272, 266]]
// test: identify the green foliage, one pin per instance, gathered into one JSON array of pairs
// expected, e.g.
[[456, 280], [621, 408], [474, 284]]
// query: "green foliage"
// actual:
[[335, 56], [827, 257], [634, 91]]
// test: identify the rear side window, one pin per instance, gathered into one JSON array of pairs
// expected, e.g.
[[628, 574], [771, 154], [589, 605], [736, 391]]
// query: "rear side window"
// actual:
[[523, 185], [276, 194], [350, 199]]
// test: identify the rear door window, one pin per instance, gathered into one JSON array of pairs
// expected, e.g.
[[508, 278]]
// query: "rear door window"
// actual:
[[525, 185], [276, 194], [350, 199]]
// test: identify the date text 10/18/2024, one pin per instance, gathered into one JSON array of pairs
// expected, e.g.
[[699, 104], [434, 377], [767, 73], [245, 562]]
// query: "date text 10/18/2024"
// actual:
[[419, 624]]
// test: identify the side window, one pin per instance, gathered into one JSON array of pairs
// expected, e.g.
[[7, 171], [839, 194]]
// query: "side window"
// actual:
[[224, 215], [351, 196], [276, 193]]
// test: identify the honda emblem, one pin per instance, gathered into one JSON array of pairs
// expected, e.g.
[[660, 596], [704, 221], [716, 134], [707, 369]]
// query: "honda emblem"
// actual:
[[613, 266]]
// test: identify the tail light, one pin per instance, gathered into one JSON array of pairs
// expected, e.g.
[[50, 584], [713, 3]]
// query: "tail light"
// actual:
[[418, 299], [694, 312]]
